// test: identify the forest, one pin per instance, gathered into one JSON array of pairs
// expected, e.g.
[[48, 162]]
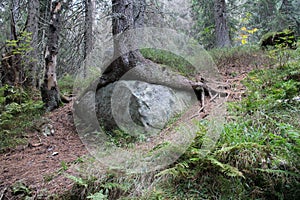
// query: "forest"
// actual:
[[149, 99]]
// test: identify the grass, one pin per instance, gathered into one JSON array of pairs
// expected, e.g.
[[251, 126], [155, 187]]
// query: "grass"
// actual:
[[257, 156], [65, 84]]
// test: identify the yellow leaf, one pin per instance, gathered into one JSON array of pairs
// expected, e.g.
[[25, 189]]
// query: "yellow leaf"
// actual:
[[243, 28], [244, 36]]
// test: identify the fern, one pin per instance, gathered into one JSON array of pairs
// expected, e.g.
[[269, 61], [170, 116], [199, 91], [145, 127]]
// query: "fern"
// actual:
[[98, 196], [225, 168], [277, 171], [77, 180]]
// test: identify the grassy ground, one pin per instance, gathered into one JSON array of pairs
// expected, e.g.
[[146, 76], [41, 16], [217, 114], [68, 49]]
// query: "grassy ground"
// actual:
[[257, 156]]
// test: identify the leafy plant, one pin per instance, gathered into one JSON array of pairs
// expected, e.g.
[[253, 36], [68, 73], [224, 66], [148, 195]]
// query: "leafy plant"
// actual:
[[17, 113], [98, 196], [65, 84]]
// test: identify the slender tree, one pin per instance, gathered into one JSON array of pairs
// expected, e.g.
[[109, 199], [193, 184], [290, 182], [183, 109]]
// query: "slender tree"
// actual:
[[221, 26], [49, 89], [32, 28], [88, 26]]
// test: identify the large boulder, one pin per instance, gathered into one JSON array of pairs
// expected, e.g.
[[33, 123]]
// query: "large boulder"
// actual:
[[139, 107]]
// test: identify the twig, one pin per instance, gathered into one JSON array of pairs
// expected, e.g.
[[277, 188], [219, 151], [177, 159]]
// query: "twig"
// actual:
[[202, 108], [1, 197], [214, 97], [197, 114]]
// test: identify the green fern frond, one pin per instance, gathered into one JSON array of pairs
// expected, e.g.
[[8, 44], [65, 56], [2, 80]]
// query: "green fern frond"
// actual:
[[77, 180], [98, 196], [225, 168], [277, 171]]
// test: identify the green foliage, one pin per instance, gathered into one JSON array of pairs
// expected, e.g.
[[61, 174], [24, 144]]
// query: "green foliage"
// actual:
[[18, 109], [109, 186], [22, 44], [20, 188], [204, 27], [175, 62], [78, 180], [257, 155], [98, 196], [65, 84], [64, 165]]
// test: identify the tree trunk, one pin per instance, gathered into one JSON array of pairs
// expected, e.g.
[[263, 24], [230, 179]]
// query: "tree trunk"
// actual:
[[222, 31], [12, 71], [123, 20], [49, 89], [88, 31], [32, 27], [88, 27], [139, 8]]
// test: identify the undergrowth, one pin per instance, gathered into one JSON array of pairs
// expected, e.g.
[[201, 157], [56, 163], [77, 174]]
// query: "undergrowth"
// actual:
[[65, 84], [18, 109], [256, 157], [241, 57]]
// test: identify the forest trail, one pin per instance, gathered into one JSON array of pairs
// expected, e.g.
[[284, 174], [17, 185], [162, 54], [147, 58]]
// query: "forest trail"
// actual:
[[40, 165]]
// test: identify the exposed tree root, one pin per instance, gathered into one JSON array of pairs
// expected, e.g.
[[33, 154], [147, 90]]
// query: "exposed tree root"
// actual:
[[150, 72]]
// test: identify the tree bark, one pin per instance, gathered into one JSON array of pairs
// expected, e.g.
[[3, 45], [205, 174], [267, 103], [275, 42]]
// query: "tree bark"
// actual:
[[123, 20], [32, 27], [222, 30], [88, 26], [49, 89], [89, 6]]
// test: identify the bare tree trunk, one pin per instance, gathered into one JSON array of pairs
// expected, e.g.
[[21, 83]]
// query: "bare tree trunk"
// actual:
[[222, 30], [32, 27], [49, 89], [126, 16], [88, 26], [88, 31], [139, 8]]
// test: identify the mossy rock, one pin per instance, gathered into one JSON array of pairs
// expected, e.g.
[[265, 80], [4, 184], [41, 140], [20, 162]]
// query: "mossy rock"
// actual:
[[285, 38]]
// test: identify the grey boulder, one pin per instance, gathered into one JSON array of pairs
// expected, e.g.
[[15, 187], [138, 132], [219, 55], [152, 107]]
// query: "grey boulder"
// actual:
[[139, 107]]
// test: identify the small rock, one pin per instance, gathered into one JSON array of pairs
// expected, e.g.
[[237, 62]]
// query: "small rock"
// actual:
[[47, 130], [54, 153]]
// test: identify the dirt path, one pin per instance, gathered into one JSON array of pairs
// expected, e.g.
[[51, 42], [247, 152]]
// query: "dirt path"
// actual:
[[38, 165]]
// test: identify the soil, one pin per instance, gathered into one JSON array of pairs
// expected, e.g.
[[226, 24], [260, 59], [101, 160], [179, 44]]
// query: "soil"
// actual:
[[40, 164]]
